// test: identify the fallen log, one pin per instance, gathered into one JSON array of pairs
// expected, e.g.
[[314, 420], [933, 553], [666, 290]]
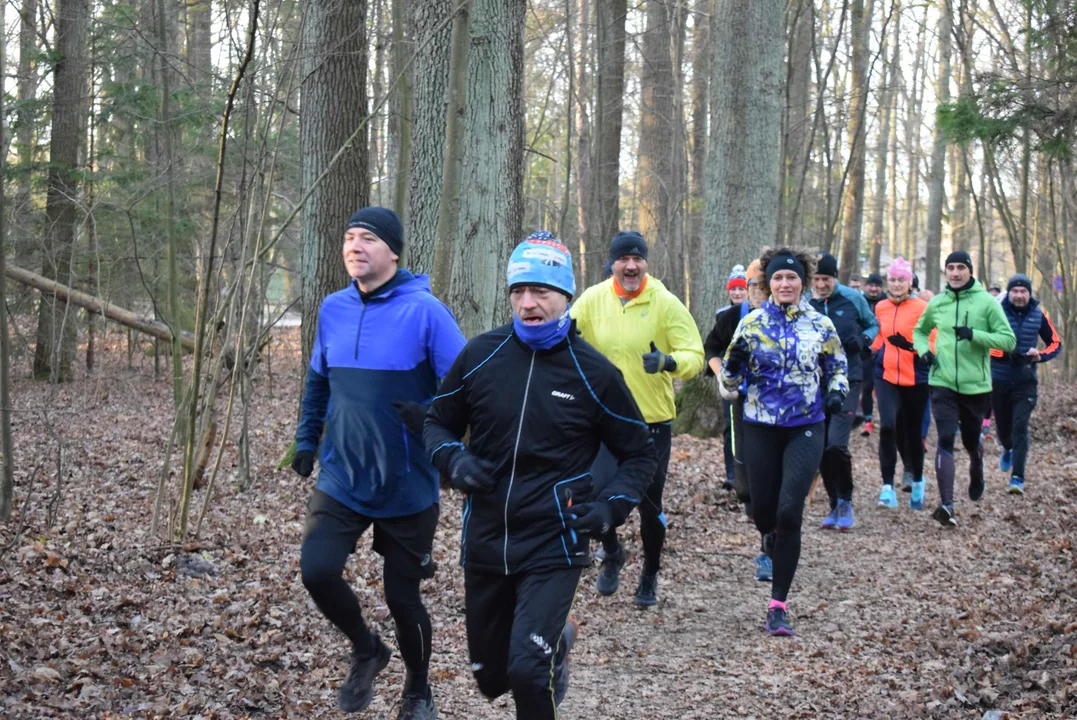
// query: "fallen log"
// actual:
[[97, 305]]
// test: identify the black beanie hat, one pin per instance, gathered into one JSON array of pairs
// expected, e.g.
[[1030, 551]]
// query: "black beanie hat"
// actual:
[[960, 257], [384, 223], [627, 242], [1019, 280], [827, 265], [874, 279]]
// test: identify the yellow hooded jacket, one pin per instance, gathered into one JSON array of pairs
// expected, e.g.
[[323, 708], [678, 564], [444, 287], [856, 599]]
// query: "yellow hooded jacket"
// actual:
[[624, 333]]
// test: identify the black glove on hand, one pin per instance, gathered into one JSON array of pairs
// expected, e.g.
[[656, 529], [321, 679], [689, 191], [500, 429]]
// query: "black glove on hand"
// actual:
[[866, 353], [657, 361], [1018, 358], [900, 341], [852, 347], [963, 332], [737, 359], [469, 474], [303, 463], [593, 518], [928, 358], [413, 415], [834, 401]]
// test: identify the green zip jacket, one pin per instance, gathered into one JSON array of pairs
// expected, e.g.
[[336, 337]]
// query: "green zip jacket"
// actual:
[[963, 366]]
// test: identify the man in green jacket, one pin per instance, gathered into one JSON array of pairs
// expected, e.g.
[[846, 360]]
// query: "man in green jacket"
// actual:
[[969, 323]]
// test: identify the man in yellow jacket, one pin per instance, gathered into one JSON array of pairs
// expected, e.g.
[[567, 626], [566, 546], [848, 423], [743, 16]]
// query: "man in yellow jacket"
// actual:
[[650, 336]]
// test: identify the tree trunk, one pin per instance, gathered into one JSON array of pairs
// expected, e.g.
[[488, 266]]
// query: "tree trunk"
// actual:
[[937, 187], [887, 112], [56, 337], [7, 445], [701, 72], [24, 124], [433, 41], [491, 201], [400, 121], [913, 148], [609, 109], [333, 96], [742, 172], [452, 165], [584, 149], [798, 113], [656, 132], [853, 212]]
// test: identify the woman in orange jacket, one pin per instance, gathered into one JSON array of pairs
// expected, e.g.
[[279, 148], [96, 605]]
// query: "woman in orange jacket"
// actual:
[[900, 386]]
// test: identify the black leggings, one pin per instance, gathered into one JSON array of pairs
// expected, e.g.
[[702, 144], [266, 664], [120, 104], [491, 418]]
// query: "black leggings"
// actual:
[[953, 411], [330, 536], [1014, 403], [652, 519], [901, 414], [867, 384], [781, 463]]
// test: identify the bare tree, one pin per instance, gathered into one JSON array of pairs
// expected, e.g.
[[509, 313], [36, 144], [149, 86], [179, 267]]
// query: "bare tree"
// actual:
[[937, 184], [853, 211], [491, 201], [334, 103], [55, 349]]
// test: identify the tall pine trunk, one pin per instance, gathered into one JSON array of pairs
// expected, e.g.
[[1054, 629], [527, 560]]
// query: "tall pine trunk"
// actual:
[[853, 213], [701, 72], [584, 149], [333, 96], [886, 112], [491, 201], [56, 336], [609, 111]]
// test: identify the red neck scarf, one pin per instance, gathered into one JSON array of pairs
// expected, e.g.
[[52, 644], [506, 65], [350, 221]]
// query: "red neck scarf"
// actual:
[[624, 294]]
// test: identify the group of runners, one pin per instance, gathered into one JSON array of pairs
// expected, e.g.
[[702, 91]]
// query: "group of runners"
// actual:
[[556, 425]]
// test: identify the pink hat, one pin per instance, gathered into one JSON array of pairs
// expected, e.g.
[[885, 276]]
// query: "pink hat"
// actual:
[[900, 268]]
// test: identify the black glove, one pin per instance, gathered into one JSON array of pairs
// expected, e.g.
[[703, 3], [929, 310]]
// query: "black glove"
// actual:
[[963, 332], [852, 347], [928, 358], [866, 353], [470, 474], [834, 401], [901, 342], [657, 361], [413, 415], [1018, 358], [593, 518], [303, 462], [737, 358]]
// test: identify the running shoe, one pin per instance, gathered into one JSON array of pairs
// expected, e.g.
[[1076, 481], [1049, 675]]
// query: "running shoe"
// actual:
[[916, 501], [887, 497], [609, 574], [357, 691], [831, 520], [976, 488], [1005, 461], [845, 516], [729, 484], [869, 426], [418, 706], [1017, 486], [778, 623], [944, 515], [647, 591], [764, 568], [560, 668], [907, 480]]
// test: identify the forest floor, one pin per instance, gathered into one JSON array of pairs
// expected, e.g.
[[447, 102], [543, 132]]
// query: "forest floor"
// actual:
[[898, 619]]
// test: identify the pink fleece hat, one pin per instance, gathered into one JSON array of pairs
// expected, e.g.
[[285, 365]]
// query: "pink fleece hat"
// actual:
[[900, 268]]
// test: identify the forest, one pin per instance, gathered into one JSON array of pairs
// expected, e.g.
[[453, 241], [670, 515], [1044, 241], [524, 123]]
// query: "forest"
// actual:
[[175, 179]]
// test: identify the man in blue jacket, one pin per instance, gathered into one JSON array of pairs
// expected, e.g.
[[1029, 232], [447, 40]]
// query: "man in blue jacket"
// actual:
[[857, 328], [381, 347], [1015, 387]]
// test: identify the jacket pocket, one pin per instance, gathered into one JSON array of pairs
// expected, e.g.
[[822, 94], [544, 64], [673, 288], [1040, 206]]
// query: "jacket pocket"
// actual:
[[573, 491]]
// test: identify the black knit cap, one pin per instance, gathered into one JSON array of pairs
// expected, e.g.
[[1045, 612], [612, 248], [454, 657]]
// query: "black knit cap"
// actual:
[[384, 223], [1019, 280], [627, 242], [874, 279], [959, 257], [827, 265]]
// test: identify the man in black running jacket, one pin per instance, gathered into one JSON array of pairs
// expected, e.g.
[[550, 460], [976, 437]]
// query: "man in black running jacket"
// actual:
[[538, 401]]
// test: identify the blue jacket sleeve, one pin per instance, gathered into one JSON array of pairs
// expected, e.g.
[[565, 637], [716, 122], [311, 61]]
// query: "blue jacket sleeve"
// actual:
[[1051, 340], [869, 326], [315, 405], [444, 341]]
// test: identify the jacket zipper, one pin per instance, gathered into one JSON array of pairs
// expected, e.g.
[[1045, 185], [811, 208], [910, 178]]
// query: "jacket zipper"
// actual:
[[515, 451], [359, 331], [957, 344], [897, 308]]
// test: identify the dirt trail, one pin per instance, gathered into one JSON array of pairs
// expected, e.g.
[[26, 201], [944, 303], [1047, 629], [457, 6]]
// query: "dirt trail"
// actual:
[[896, 619]]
